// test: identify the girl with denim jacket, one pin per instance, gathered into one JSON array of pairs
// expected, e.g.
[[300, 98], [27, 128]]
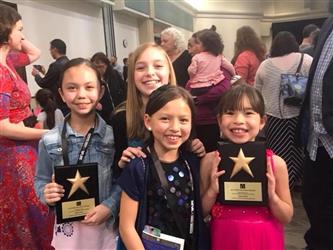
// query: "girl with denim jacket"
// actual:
[[81, 90]]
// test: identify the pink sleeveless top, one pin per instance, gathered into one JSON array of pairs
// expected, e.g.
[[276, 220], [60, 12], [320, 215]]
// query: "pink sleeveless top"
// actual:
[[245, 227]]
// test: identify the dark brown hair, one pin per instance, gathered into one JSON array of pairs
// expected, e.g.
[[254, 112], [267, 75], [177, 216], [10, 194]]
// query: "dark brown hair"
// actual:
[[308, 29], [77, 62], [100, 57], [164, 94], [60, 45], [283, 43], [8, 18], [210, 40], [46, 100], [233, 99]]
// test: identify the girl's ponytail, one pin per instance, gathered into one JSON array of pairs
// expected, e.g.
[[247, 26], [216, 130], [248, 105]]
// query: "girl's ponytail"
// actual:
[[46, 100], [50, 109]]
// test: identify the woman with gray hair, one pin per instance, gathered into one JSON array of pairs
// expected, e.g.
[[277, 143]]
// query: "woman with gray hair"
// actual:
[[174, 44]]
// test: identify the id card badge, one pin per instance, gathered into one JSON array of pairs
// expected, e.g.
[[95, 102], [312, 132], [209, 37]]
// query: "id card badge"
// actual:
[[153, 239]]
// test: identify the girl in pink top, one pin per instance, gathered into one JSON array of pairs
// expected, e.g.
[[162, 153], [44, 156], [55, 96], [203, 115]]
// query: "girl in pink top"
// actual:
[[205, 68], [241, 117]]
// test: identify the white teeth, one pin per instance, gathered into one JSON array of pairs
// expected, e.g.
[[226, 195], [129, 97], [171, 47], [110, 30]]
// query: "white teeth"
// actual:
[[173, 137], [151, 82], [238, 130]]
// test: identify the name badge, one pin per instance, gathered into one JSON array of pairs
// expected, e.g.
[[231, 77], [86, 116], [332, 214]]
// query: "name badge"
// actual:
[[153, 239]]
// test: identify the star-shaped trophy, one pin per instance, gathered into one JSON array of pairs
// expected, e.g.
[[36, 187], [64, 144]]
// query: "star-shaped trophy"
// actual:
[[244, 181], [81, 191], [78, 182], [241, 162]]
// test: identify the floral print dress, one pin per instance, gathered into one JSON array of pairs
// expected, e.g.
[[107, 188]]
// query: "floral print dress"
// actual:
[[24, 221]]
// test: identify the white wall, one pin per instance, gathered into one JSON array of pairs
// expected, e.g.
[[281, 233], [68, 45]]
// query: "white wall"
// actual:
[[78, 23], [125, 28]]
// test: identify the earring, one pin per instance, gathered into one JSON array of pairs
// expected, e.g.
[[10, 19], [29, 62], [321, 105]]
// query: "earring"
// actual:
[[149, 128]]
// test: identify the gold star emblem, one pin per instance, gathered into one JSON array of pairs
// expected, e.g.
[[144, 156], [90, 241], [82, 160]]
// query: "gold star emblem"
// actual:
[[78, 182], [241, 162]]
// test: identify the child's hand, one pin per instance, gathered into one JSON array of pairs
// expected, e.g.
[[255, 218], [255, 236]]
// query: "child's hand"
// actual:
[[97, 215], [209, 180], [198, 148], [129, 154], [215, 174], [271, 180], [53, 192]]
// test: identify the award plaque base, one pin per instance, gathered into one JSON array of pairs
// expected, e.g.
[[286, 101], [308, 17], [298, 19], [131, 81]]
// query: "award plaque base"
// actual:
[[81, 191], [244, 182]]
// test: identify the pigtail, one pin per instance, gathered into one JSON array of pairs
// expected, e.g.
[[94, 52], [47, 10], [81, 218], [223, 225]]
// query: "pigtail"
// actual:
[[50, 109], [46, 100]]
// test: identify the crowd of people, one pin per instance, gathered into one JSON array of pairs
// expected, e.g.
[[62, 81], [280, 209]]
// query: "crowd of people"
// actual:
[[151, 129]]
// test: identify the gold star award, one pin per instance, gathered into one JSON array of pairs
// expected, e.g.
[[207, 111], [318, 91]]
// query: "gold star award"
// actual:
[[78, 182], [241, 162], [245, 180]]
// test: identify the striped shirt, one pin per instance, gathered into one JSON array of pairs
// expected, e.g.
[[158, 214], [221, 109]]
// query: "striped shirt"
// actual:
[[268, 81], [318, 133]]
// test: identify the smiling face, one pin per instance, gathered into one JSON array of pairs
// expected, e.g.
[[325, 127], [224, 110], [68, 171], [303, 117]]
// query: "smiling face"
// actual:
[[171, 127], [241, 126], [16, 36], [151, 71], [81, 90]]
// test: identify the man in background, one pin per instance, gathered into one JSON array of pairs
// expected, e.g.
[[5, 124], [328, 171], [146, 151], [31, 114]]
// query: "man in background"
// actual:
[[51, 78], [308, 35], [115, 65], [310, 49]]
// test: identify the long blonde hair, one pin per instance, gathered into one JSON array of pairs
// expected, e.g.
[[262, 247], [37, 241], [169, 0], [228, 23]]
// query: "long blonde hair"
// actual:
[[134, 104]]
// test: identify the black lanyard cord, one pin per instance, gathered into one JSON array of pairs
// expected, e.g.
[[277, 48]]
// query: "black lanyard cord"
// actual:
[[85, 145], [165, 185]]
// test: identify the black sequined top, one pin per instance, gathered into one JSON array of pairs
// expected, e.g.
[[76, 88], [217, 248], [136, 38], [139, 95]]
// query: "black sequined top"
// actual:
[[159, 213]]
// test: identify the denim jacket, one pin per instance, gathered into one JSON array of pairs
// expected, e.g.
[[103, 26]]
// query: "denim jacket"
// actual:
[[100, 150]]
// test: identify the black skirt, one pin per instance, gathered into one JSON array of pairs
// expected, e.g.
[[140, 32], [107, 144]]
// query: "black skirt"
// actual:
[[280, 135]]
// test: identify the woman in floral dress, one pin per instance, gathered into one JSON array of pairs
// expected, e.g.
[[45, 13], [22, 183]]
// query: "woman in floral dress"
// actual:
[[24, 221]]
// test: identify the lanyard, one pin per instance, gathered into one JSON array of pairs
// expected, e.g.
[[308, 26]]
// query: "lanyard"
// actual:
[[84, 147], [164, 184]]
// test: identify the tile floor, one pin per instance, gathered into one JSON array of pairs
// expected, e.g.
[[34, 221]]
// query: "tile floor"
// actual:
[[294, 231]]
